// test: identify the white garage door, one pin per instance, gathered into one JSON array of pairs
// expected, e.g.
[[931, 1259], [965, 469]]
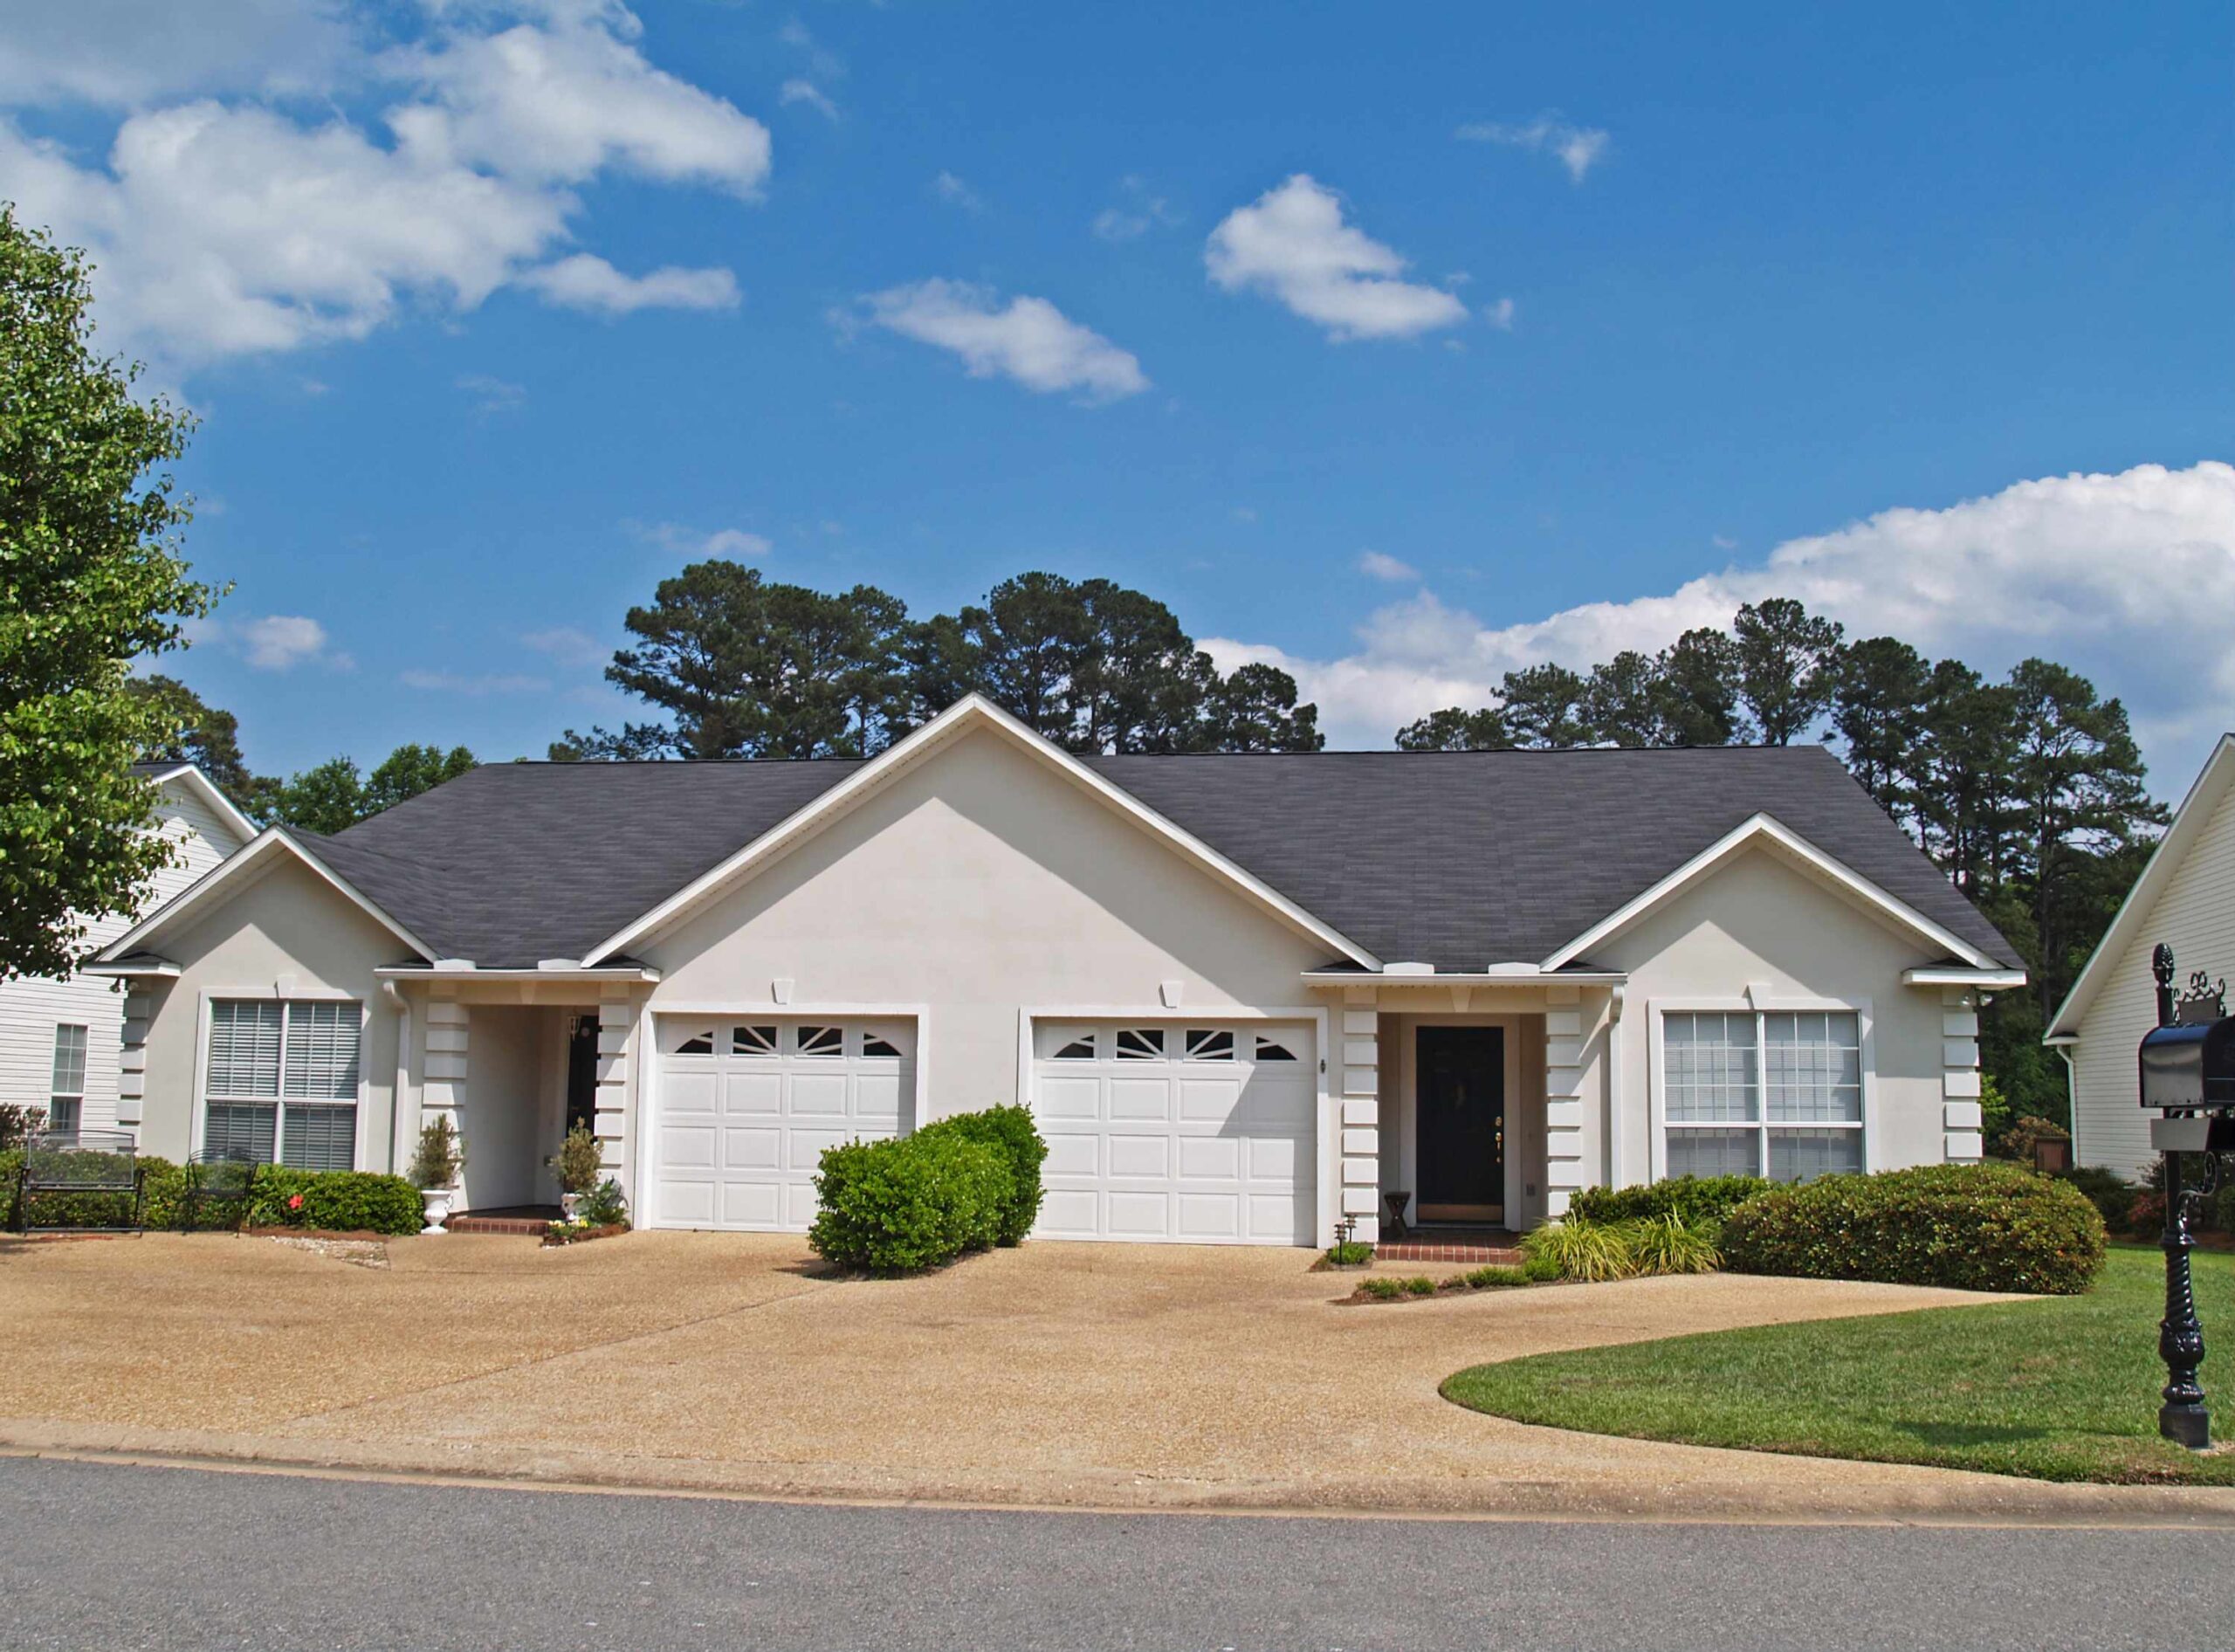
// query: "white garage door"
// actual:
[[746, 1106], [1202, 1134]]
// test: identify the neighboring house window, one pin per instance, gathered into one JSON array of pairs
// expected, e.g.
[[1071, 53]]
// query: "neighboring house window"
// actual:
[[282, 1082], [1776, 1093], [66, 1095]]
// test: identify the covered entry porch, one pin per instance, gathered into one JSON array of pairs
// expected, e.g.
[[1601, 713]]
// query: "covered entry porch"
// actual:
[[1467, 1102]]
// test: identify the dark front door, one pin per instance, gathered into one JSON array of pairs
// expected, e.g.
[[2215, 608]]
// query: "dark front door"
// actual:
[[1459, 1098], [581, 1073]]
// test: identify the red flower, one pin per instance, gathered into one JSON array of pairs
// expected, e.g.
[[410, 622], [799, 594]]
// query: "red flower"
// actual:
[[295, 1202]]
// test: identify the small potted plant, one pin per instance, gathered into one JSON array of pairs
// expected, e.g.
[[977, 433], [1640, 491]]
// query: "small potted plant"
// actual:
[[577, 1166], [435, 1169]]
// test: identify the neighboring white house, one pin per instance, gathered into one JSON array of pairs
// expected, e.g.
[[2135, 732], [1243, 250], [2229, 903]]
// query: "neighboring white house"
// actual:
[[2185, 897], [1246, 997], [60, 1039]]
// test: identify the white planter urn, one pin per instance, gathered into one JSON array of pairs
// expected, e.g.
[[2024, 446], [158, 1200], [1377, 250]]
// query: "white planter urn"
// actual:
[[568, 1203], [438, 1201]]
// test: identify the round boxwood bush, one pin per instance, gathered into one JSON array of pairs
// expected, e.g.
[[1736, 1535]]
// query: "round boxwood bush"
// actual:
[[1990, 1227], [333, 1201], [1691, 1200], [916, 1202], [1009, 1132]]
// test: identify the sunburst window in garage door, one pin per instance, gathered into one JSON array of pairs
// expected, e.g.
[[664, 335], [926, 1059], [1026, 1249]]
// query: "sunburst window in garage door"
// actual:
[[744, 1110], [1204, 1134]]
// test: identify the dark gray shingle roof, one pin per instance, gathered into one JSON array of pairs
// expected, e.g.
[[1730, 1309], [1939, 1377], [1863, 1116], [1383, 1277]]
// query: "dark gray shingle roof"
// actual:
[[1458, 859]]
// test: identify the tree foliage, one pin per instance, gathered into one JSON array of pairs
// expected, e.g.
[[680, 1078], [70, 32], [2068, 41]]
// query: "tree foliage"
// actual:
[[743, 666], [336, 794], [91, 577]]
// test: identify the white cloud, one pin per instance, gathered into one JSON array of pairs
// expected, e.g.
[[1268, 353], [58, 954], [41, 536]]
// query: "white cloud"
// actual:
[[1577, 149], [1292, 245], [955, 192], [585, 281], [808, 93], [1381, 566], [273, 642], [1141, 212], [119, 53], [223, 229], [562, 103], [732, 542], [1027, 340], [486, 683], [2075, 568], [1500, 315], [490, 394], [568, 645]]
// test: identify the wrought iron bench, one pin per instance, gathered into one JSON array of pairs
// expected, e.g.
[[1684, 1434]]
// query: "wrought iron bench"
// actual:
[[228, 1173], [81, 1164]]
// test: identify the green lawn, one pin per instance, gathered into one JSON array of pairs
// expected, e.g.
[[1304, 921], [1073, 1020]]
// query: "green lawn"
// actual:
[[2061, 1388]]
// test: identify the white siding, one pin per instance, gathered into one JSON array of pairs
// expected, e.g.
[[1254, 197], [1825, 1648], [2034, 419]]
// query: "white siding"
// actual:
[[2194, 913], [30, 1008]]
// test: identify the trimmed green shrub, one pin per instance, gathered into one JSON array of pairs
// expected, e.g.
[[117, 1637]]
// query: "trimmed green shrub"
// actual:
[[1382, 1287], [1009, 1131], [1988, 1227], [578, 1162], [1350, 1253], [332, 1200], [916, 1202], [1419, 1285], [1492, 1277], [1690, 1199], [2107, 1191], [1539, 1271]]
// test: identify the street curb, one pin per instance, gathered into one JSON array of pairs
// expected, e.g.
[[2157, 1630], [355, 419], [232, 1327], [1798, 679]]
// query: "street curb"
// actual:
[[1949, 1498]]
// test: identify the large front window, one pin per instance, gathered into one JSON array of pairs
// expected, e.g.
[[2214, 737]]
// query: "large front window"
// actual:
[[1761, 1093], [281, 1082], [65, 1094]]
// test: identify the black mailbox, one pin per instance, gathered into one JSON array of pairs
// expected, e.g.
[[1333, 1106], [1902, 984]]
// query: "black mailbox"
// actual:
[[2189, 1066]]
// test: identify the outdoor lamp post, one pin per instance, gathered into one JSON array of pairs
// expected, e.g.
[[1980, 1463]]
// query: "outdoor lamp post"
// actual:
[[2188, 1077]]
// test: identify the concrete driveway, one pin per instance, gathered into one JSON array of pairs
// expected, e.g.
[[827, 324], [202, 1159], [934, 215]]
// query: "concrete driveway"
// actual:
[[1102, 1375]]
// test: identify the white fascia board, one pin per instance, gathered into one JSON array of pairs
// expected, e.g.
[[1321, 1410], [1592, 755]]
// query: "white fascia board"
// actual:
[[1946, 975], [206, 790], [406, 972], [973, 711], [222, 880], [2188, 825], [1767, 828], [131, 972], [1533, 977]]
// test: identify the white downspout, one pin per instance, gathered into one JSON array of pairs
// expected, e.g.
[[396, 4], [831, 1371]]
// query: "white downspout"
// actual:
[[2072, 1100], [1615, 1178], [395, 995]]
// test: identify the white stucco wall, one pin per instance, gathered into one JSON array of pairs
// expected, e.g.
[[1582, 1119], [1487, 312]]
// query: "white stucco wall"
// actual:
[[1760, 921], [2194, 913], [287, 935], [979, 884]]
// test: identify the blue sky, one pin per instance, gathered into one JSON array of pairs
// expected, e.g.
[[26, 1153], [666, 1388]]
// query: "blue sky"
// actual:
[[1583, 324]]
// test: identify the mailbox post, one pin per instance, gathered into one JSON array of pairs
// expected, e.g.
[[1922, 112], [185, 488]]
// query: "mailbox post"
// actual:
[[2188, 1077]]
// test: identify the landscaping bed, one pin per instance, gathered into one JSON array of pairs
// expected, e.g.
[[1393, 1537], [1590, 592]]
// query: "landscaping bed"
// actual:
[[2057, 1388]]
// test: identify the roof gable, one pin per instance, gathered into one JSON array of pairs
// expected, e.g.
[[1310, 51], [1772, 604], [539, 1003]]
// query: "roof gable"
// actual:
[[971, 712], [2189, 821]]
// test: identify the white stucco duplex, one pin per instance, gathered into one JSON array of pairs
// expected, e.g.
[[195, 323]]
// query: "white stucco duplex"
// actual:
[[1246, 997]]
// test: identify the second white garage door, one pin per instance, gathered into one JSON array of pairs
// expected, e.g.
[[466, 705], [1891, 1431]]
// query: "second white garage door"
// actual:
[[1199, 1134], [747, 1106]]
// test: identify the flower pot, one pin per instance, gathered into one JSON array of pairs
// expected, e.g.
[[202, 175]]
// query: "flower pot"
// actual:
[[567, 1203], [438, 1201]]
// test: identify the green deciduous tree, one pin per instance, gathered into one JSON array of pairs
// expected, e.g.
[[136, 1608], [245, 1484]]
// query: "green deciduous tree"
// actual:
[[409, 770], [193, 731], [90, 577]]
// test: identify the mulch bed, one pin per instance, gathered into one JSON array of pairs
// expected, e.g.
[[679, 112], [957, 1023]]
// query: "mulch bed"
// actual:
[[312, 1233], [555, 1242]]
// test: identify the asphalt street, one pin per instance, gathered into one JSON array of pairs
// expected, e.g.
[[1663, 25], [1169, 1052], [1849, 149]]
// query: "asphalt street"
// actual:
[[96, 1555]]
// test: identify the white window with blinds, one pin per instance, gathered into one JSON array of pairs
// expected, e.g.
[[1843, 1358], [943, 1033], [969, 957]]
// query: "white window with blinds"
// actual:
[[65, 1094], [1761, 1093], [280, 1083]]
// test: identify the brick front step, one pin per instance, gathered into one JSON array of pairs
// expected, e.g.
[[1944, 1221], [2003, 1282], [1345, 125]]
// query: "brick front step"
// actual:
[[1414, 1250], [528, 1227]]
